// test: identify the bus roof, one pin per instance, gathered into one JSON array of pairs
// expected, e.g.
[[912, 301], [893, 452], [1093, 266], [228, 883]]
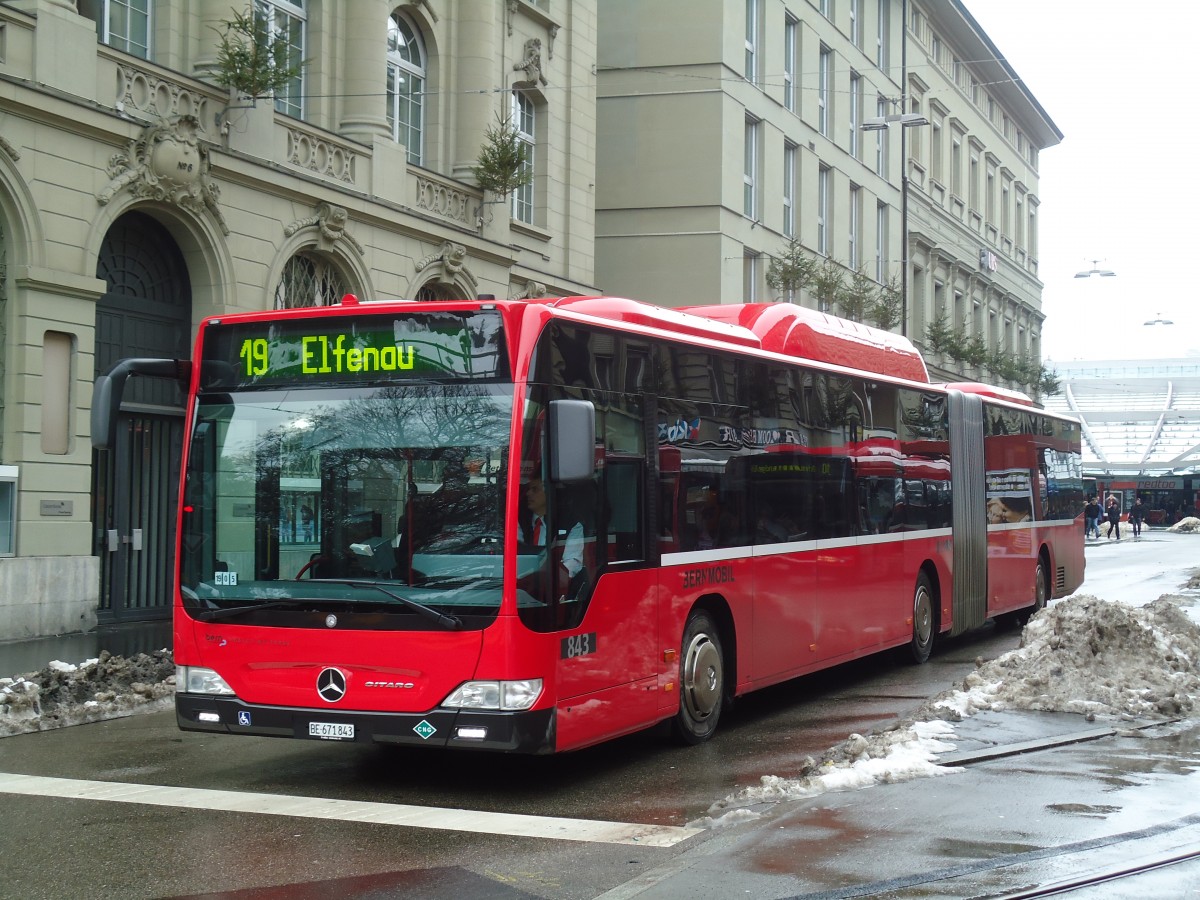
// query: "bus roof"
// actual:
[[777, 327], [809, 334]]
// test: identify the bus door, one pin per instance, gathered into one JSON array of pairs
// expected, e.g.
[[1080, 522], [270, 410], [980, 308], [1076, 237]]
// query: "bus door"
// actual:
[[603, 588], [969, 513]]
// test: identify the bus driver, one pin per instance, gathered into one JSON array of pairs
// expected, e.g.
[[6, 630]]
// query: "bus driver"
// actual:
[[532, 531]]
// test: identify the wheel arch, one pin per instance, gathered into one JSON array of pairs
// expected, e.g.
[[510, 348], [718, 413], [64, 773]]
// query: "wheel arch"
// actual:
[[718, 608], [930, 570]]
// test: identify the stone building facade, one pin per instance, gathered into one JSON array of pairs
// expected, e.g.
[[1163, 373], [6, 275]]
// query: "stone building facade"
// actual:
[[137, 196], [730, 127]]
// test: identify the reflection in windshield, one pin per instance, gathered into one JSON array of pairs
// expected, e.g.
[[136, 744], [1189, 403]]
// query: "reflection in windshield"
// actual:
[[401, 485]]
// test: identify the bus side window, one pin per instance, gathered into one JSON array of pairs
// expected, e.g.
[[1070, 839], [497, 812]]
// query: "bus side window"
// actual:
[[623, 489]]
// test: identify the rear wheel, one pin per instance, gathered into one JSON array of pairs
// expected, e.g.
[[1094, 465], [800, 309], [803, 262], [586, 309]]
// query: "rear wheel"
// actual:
[[701, 680], [1041, 594], [924, 629]]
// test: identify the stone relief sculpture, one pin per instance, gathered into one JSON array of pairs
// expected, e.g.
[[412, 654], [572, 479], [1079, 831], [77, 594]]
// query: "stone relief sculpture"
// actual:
[[531, 65], [452, 257], [330, 221], [169, 164], [534, 290]]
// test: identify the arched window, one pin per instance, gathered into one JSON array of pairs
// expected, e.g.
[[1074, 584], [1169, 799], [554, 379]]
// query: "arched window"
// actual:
[[406, 87], [309, 280]]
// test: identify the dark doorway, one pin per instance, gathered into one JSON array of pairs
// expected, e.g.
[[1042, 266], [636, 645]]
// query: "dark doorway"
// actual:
[[145, 312]]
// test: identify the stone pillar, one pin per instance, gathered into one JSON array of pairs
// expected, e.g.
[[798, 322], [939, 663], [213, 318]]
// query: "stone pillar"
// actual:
[[212, 14], [364, 109], [479, 66]]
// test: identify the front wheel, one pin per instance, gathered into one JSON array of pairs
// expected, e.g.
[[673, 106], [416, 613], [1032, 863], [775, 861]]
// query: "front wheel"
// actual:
[[701, 680], [924, 629]]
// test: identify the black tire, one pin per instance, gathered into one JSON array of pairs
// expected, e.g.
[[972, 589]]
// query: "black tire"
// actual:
[[924, 621], [701, 680], [1041, 594]]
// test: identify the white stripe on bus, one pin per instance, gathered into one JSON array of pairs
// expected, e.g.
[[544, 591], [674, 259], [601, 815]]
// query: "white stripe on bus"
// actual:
[[508, 824]]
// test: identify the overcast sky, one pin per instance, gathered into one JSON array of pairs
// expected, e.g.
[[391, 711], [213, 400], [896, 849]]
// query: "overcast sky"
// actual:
[[1122, 186]]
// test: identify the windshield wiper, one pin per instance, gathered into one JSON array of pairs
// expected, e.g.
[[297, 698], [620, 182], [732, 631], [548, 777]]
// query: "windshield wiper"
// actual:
[[207, 615], [446, 621]]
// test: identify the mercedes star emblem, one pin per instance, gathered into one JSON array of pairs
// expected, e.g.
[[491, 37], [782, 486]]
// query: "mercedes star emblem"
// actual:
[[331, 685]]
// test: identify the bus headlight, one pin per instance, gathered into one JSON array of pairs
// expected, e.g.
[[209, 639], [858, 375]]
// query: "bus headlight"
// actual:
[[197, 680], [509, 695]]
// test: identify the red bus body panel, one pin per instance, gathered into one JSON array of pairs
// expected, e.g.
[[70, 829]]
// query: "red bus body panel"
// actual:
[[794, 609]]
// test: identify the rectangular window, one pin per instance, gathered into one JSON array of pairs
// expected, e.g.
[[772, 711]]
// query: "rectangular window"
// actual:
[[881, 140], [956, 166], [855, 216], [935, 151], [973, 182], [856, 22], [789, 189], [1019, 219], [881, 242], [523, 118], [8, 510], [990, 196], [750, 277], [285, 20], [791, 54], [824, 73], [1005, 212], [855, 113], [823, 211], [750, 171], [125, 25], [881, 34], [752, 39]]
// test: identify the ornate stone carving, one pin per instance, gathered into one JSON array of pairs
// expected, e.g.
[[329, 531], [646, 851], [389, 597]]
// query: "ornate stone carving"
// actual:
[[169, 164], [447, 267], [9, 149], [531, 65], [331, 222], [157, 98], [452, 257], [442, 199], [533, 291], [321, 156]]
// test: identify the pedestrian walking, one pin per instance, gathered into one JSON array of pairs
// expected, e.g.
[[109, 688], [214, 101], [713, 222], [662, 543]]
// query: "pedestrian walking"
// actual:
[[1091, 518], [1137, 515], [1114, 518]]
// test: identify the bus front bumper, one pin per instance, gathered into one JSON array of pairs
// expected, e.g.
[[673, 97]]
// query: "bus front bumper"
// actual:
[[511, 732]]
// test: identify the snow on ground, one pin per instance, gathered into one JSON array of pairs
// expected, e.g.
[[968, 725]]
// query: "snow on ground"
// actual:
[[104, 688]]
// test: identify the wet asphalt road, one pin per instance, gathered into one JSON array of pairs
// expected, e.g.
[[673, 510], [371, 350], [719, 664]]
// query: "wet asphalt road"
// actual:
[[994, 827]]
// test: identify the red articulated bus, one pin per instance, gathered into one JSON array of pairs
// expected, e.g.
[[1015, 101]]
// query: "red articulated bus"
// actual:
[[531, 526]]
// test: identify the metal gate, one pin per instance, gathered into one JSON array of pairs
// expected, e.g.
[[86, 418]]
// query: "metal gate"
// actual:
[[146, 312]]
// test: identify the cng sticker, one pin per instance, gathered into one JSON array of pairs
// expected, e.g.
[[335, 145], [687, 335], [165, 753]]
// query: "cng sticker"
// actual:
[[424, 729]]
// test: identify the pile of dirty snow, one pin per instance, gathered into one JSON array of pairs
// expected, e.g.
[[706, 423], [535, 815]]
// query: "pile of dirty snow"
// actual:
[[897, 753], [103, 688], [1190, 525], [1095, 657], [1082, 655]]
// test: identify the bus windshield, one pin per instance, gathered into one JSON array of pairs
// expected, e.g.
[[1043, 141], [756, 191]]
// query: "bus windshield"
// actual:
[[387, 501]]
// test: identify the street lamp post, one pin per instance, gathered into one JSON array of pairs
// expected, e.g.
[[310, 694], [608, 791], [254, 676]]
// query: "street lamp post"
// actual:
[[906, 120]]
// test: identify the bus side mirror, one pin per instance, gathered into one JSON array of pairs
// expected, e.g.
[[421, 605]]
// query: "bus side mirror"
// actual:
[[572, 427], [107, 393]]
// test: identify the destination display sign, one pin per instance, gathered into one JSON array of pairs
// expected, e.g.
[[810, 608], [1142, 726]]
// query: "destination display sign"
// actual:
[[362, 349]]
